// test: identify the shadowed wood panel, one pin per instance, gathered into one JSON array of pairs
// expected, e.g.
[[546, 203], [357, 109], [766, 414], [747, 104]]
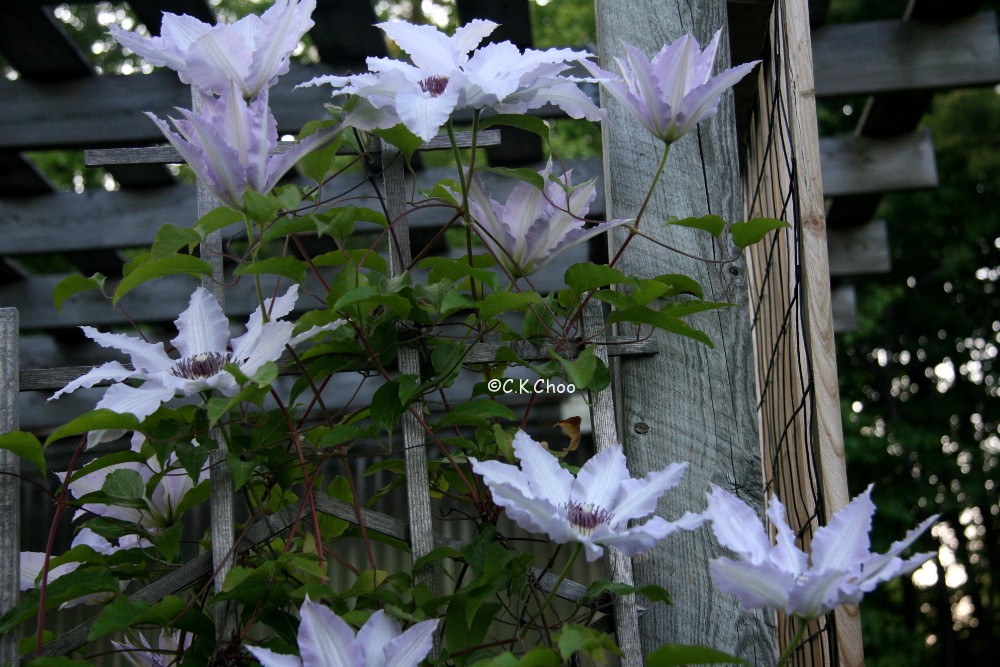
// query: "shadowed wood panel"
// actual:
[[33, 42], [19, 177], [345, 33], [884, 56], [854, 165], [150, 12], [859, 250], [672, 405]]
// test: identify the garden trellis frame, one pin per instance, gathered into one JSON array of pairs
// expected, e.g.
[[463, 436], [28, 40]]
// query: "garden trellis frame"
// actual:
[[38, 380]]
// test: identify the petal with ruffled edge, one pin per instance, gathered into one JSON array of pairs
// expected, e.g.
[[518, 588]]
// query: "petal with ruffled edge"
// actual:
[[32, 563], [510, 490], [736, 526], [785, 555], [269, 658], [145, 357], [276, 308], [637, 498], [546, 478], [599, 481], [703, 101], [434, 51], [412, 646], [760, 585], [139, 401], [111, 371], [202, 327], [843, 543], [325, 639], [882, 567], [375, 635], [222, 56], [424, 114], [640, 539], [280, 29]]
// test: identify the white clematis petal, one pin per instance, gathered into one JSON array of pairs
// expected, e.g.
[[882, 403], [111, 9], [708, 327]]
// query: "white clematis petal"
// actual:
[[325, 639], [202, 327]]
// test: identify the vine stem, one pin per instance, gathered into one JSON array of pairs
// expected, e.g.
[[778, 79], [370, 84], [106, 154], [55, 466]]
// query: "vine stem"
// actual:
[[577, 548], [794, 644]]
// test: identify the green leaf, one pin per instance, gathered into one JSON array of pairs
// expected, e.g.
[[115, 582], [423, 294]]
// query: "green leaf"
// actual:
[[170, 239], [585, 276], [289, 267], [386, 408], [401, 138], [159, 267], [338, 223], [261, 208], [678, 284], [477, 412], [712, 224], [168, 542], [435, 555], [216, 219], [586, 371], [75, 284], [117, 615], [454, 270], [462, 632], [319, 162], [124, 484], [677, 655], [97, 420], [682, 308], [665, 321], [574, 639], [242, 470], [25, 446], [531, 124], [747, 233], [500, 302], [529, 176]]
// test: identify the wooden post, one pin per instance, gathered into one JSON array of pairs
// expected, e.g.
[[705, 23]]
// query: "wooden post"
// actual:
[[222, 494], [689, 403], [10, 483]]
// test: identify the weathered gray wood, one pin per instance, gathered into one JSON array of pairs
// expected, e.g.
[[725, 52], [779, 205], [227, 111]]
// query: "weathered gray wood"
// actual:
[[605, 434], [855, 165], [689, 402], [414, 438], [884, 56], [859, 250], [10, 482], [844, 302]]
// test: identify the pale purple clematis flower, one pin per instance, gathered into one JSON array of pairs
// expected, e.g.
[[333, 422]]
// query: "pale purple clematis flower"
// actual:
[[593, 508], [249, 53], [204, 347], [326, 640], [32, 563], [840, 570], [229, 144], [533, 226], [676, 90], [443, 77], [169, 649]]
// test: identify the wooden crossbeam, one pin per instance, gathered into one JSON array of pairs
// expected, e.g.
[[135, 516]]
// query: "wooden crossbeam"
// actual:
[[854, 165], [859, 250], [885, 56]]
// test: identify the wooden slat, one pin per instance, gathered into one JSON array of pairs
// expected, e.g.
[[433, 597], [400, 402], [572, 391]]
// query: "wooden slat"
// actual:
[[827, 430], [142, 176], [884, 56], [671, 405], [859, 250], [10, 482], [19, 177], [854, 165], [845, 308], [33, 43]]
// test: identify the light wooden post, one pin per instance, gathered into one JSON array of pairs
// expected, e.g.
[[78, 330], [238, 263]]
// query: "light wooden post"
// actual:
[[222, 494], [10, 483], [689, 403]]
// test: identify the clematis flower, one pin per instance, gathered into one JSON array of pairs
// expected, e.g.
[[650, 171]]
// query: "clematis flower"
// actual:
[[840, 570], [443, 77], [169, 649], [204, 346], [675, 91], [326, 640], [229, 144], [32, 562], [533, 226], [593, 508], [249, 53]]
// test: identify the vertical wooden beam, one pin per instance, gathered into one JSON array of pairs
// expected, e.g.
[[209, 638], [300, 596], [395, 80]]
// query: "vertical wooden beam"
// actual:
[[414, 438], [222, 495], [10, 483], [689, 403], [828, 434]]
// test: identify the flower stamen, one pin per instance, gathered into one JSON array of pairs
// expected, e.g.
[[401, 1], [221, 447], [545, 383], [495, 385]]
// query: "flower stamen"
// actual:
[[202, 365], [435, 85], [585, 518]]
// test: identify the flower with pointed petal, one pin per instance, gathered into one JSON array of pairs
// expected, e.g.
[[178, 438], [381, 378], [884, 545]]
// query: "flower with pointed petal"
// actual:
[[674, 91], [32, 563], [533, 226], [840, 570], [593, 508], [169, 649], [443, 77], [249, 53], [204, 346], [326, 640], [230, 144]]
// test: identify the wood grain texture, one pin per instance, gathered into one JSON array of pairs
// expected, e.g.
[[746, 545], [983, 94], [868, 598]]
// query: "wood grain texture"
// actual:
[[605, 433], [884, 56], [694, 404], [859, 250], [854, 165], [10, 483], [414, 438], [828, 434]]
